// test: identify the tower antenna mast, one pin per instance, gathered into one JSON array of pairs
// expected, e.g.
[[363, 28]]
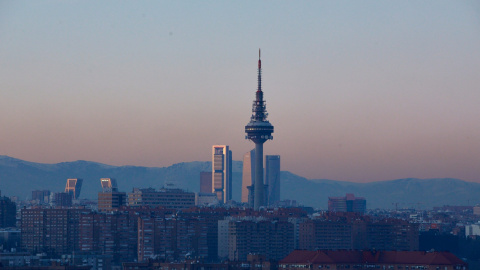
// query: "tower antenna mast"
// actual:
[[259, 130]]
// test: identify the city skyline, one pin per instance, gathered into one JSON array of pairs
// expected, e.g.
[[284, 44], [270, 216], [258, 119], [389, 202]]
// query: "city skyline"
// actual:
[[357, 91]]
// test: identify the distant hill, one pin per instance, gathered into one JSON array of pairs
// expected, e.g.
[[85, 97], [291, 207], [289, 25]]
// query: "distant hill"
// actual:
[[401, 193], [19, 178]]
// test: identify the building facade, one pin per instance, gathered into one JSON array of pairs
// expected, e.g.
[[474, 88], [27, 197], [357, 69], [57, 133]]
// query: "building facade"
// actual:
[[372, 259], [108, 184], [206, 199], [476, 210], [8, 212], [62, 199], [248, 176], [41, 196], [325, 234], [169, 198], [349, 203], [74, 187], [53, 231], [272, 178], [172, 238], [113, 234], [205, 182], [109, 201], [274, 239], [357, 233], [222, 172]]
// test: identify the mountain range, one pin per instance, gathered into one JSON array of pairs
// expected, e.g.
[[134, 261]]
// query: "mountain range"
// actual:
[[20, 178]]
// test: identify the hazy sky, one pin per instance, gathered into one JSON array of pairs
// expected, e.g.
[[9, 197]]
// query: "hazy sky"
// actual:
[[357, 90]]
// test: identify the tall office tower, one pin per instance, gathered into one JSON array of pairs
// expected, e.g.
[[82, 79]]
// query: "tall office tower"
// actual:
[[222, 172], [259, 130], [248, 174], [8, 211], [206, 182], [272, 175], [108, 184], [110, 199], [74, 186]]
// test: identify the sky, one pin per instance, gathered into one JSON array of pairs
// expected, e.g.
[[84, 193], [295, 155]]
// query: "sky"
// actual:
[[357, 90]]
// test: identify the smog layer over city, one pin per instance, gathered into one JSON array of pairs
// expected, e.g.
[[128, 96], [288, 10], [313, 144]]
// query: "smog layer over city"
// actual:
[[249, 135]]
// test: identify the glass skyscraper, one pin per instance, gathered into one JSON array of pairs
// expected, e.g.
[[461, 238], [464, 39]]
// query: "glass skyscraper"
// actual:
[[222, 172], [272, 177], [74, 186]]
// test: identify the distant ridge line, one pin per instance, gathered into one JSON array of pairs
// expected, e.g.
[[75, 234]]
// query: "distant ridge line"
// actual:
[[16, 174]]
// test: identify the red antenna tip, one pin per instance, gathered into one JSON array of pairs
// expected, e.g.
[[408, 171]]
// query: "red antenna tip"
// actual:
[[259, 61]]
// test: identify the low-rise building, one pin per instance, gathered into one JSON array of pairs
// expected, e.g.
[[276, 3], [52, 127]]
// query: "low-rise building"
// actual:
[[165, 197], [353, 259]]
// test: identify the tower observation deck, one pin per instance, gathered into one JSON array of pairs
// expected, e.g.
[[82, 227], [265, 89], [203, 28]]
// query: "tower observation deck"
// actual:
[[259, 130]]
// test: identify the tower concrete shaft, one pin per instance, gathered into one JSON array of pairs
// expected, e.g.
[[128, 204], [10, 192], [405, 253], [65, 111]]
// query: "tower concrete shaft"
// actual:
[[259, 130], [259, 186]]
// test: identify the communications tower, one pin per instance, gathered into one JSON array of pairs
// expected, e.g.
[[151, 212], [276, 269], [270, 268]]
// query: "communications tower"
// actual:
[[259, 130]]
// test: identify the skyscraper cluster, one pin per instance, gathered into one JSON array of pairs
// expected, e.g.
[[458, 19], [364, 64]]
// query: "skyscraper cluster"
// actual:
[[259, 130], [272, 179], [255, 191], [162, 229]]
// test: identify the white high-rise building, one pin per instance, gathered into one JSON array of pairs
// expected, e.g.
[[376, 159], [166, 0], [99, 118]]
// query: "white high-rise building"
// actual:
[[222, 172]]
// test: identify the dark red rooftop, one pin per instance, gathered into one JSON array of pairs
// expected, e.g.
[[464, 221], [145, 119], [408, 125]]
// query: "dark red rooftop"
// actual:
[[371, 257]]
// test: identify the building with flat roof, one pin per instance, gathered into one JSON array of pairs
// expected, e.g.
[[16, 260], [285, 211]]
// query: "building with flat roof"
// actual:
[[343, 232], [61, 199], [113, 234], [349, 203], [172, 238], [10, 238], [109, 201], [476, 210], [206, 182], [8, 212], [54, 231], [222, 172], [110, 198], [274, 239], [272, 178], [169, 198], [41, 196], [206, 199]]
